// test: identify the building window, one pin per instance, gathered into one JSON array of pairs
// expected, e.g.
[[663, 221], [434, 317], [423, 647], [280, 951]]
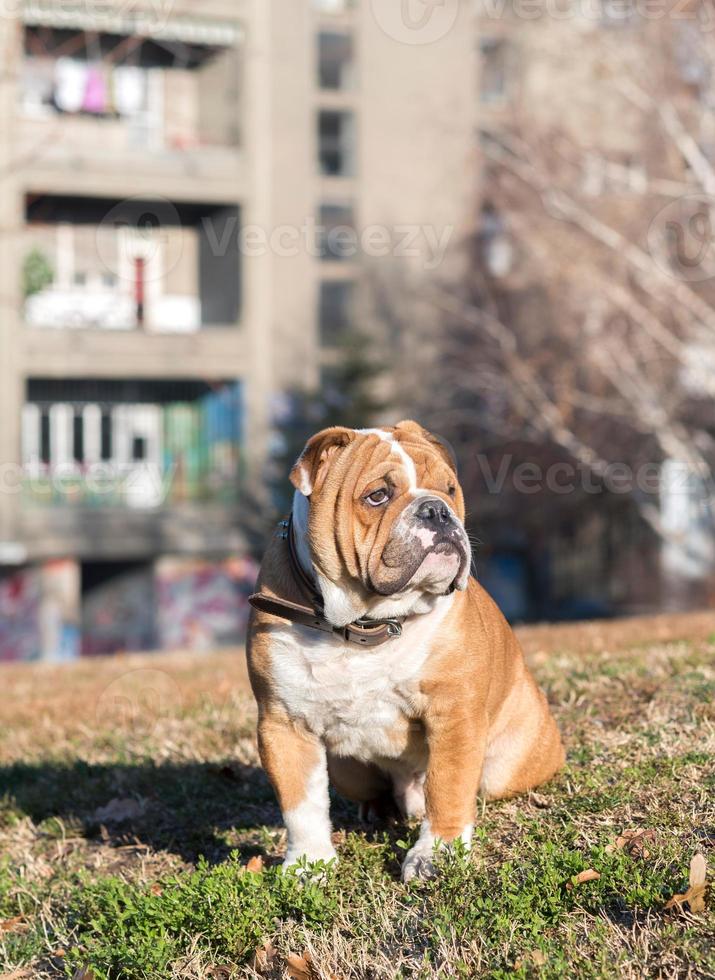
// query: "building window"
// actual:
[[336, 230], [494, 69], [337, 300], [336, 140], [336, 62]]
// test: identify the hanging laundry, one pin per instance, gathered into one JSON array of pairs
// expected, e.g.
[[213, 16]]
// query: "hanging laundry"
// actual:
[[95, 92], [70, 84], [129, 84]]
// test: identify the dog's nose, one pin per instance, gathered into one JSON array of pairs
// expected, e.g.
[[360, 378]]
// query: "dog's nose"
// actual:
[[434, 511]]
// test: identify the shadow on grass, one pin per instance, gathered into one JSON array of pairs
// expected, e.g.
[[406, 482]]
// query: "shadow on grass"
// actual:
[[187, 808]]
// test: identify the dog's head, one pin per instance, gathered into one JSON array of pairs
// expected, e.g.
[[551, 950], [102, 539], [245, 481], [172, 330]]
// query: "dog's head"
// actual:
[[379, 513]]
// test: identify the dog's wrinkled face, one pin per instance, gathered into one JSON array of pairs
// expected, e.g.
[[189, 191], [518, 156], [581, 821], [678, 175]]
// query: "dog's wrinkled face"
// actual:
[[386, 512]]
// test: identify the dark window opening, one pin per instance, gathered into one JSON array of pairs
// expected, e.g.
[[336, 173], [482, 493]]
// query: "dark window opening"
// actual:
[[336, 135], [336, 311], [335, 61], [139, 452], [45, 437], [338, 239], [106, 437], [78, 437]]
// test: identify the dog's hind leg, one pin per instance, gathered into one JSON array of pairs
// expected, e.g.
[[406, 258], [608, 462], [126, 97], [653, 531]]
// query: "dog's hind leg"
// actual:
[[409, 789], [526, 749]]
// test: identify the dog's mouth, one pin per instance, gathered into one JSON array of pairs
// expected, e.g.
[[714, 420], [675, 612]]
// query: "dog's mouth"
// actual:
[[437, 567], [445, 559]]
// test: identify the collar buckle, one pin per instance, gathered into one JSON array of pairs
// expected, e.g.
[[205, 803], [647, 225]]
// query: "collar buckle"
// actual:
[[367, 632]]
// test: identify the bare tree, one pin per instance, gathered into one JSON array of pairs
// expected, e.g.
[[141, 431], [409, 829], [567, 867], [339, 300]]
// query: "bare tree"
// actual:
[[588, 318]]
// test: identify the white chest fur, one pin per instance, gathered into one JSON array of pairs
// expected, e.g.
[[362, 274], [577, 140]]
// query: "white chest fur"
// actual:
[[353, 698]]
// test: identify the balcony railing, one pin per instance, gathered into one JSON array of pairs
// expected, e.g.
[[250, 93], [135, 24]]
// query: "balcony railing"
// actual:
[[120, 265], [140, 455]]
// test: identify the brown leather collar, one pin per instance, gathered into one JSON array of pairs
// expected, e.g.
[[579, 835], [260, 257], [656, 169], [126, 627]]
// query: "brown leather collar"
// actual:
[[366, 632]]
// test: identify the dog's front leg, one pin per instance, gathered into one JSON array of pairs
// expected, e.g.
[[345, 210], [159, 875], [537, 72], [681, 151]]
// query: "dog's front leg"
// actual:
[[296, 765], [456, 757]]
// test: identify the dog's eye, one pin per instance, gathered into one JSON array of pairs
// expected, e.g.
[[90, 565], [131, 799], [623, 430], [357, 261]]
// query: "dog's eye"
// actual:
[[377, 498], [451, 490]]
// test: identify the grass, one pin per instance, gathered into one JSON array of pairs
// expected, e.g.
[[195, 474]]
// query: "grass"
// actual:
[[131, 803]]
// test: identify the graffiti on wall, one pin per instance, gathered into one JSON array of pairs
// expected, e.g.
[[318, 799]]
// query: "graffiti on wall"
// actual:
[[39, 613], [120, 614], [203, 604], [174, 603]]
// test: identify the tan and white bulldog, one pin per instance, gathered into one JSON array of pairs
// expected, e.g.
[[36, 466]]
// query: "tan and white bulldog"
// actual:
[[378, 664]]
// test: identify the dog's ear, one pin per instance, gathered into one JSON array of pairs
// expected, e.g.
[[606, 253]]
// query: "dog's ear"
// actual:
[[308, 472], [441, 445]]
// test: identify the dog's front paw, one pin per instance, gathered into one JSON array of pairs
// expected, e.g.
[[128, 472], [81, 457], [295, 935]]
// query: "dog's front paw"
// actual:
[[420, 860], [419, 863]]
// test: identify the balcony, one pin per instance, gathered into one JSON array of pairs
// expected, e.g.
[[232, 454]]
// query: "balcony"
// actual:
[[146, 267], [130, 468], [131, 112]]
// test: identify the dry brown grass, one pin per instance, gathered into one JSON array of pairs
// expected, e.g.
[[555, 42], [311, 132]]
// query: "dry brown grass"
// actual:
[[174, 736]]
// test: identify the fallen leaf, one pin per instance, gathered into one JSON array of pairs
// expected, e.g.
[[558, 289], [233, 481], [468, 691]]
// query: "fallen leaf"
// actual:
[[83, 973], [633, 842], [17, 924], [300, 967], [255, 865], [582, 877], [263, 957], [156, 889], [220, 973], [118, 810], [695, 895]]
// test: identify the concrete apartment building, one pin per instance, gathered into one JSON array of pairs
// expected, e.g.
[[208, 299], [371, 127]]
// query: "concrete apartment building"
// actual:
[[163, 168]]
